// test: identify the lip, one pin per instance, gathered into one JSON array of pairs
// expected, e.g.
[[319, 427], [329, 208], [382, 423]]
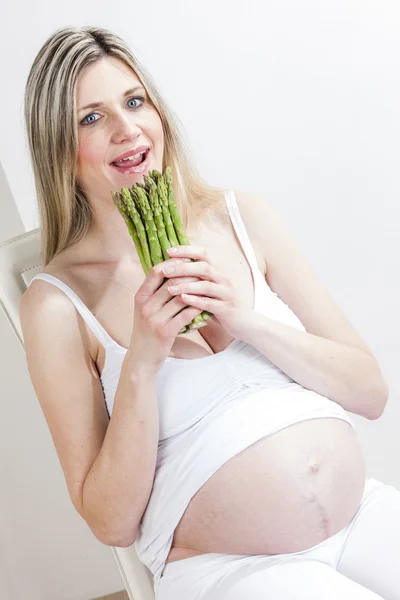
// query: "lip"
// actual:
[[144, 166], [130, 153]]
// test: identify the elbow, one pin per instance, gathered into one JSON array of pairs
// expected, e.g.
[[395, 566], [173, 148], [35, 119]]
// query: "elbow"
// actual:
[[120, 535], [110, 532], [123, 543], [377, 397], [116, 539], [370, 390]]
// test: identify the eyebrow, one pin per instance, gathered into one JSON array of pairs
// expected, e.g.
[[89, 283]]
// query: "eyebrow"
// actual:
[[98, 104]]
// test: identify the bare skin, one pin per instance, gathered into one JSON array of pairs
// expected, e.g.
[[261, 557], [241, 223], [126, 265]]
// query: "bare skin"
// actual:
[[285, 493]]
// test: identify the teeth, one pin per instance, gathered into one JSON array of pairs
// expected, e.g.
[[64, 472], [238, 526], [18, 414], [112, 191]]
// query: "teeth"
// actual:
[[131, 157]]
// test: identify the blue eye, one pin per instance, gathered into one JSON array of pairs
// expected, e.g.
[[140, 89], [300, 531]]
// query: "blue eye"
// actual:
[[133, 100], [86, 121]]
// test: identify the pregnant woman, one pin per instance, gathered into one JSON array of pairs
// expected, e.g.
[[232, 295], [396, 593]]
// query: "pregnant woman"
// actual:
[[226, 455]]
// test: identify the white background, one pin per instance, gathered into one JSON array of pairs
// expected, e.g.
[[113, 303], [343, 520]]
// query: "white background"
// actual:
[[298, 101]]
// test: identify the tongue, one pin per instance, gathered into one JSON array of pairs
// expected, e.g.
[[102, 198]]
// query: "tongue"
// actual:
[[129, 163]]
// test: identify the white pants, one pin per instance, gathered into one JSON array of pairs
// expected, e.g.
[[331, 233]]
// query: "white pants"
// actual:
[[361, 562]]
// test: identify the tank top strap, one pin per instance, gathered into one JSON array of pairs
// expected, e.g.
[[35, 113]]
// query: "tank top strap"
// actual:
[[98, 331], [237, 221]]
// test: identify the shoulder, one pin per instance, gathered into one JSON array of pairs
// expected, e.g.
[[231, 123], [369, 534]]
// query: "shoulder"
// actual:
[[49, 318], [268, 229], [43, 299], [258, 214], [283, 256], [260, 220]]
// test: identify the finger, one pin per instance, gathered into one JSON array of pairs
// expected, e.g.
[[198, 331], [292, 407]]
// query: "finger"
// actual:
[[157, 301], [202, 302], [199, 288], [194, 252], [183, 318], [169, 310], [200, 269], [156, 276]]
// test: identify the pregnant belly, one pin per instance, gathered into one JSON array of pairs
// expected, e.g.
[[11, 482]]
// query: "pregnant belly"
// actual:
[[285, 493]]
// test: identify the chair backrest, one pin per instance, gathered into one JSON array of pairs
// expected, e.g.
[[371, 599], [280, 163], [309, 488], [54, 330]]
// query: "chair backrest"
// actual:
[[19, 263]]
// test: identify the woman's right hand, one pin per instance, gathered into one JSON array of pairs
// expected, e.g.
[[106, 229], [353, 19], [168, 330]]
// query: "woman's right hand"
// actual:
[[158, 317]]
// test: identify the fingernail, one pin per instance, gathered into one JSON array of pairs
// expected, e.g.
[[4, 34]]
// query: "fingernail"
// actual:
[[169, 269], [172, 250]]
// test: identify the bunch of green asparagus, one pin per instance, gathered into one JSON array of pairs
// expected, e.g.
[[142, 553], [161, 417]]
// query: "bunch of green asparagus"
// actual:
[[152, 217]]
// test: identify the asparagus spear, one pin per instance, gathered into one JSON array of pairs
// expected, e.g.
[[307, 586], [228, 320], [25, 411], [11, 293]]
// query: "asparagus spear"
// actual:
[[131, 227], [169, 226], [127, 208], [158, 216], [156, 175], [151, 229], [173, 209]]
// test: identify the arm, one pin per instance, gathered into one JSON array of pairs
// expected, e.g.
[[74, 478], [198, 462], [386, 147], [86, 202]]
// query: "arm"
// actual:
[[330, 357], [108, 464]]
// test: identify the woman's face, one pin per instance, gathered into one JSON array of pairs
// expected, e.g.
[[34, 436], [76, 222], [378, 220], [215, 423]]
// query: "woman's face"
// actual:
[[122, 122]]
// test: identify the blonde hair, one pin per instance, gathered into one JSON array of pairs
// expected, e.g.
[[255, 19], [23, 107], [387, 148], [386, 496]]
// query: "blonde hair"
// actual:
[[51, 127]]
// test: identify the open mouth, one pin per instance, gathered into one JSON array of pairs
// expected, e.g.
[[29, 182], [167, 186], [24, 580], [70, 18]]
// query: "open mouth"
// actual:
[[133, 166]]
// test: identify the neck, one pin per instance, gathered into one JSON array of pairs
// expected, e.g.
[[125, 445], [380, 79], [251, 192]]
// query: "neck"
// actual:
[[108, 236]]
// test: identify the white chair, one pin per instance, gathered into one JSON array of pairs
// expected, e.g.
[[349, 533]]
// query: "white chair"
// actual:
[[19, 263]]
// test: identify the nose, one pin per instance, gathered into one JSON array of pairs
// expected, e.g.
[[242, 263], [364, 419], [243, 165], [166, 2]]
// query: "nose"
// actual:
[[125, 128]]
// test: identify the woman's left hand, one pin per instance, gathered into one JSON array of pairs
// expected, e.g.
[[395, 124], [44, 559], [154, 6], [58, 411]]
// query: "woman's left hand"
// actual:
[[213, 292]]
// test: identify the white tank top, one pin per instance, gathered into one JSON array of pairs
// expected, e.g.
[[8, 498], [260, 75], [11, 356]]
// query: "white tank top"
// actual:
[[210, 408]]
